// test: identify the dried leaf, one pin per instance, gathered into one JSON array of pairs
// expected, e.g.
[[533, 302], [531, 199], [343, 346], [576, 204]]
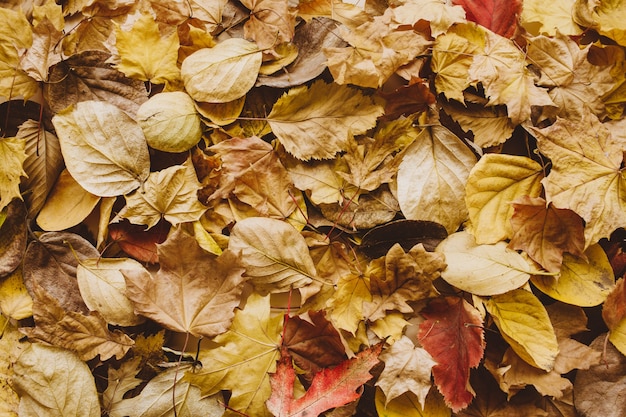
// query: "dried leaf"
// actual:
[[15, 36], [192, 292], [91, 135], [346, 303], [271, 22], [407, 405], [11, 346], [13, 237], [407, 233], [15, 301], [499, 16], [44, 52], [12, 156], [138, 242], [120, 382]]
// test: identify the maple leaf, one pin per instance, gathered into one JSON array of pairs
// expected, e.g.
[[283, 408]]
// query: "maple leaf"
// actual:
[[586, 160], [557, 18], [192, 292], [439, 14], [271, 22], [147, 55], [12, 155], [415, 97], [349, 14], [453, 335], [545, 232], [245, 355], [44, 52], [407, 369], [602, 15], [15, 37], [499, 16], [315, 122], [346, 303], [120, 381], [490, 125], [331, 387]]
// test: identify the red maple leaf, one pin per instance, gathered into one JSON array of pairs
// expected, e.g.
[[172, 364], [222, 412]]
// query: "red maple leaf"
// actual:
[[453, 335], [499, 16], [330, 388]]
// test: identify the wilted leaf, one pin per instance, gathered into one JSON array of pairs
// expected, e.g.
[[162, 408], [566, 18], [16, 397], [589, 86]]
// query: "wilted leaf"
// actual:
[[93, 135], [525, 325], [499, 16], [120, 381], [546, 232], [15, 301], [584, 282], [432, 178], [223, 73], [490, 125], [316, 121], [407, 233], [11, 346], [165, 395], [192, 292], [138, 242], [372, 209], [330, 388], [13, 237], [482, 269], [453, 335], [271, 22], [274, 253], [407, 369], [15, 36], [12, 156], [494, 182], [346, 303], [243, 359], [614, 315], [44, 52], [586, 160], [440, 15], [603, 16], [145, 54], [87, 335], [347, 13]]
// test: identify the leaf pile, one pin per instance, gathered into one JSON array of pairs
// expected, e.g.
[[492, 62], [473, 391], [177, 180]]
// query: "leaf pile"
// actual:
[[274, 208]]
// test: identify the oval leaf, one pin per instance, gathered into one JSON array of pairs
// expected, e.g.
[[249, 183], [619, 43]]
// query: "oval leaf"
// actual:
[[275, 255], [222, 73], [104, 148], [585, 283], [524, 323], [482, 269]]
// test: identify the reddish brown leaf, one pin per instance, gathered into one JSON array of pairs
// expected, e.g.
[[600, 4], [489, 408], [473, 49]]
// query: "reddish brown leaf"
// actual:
[[453, 335], [408, 99], [138, 242], [614, 308], [545, 233], [330, 387], [499, 16], [313, 344]]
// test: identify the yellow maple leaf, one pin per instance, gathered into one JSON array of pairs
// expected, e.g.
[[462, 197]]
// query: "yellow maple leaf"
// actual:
[[586, 175], [346, 303], [440, 14], [606, 16], [539, 19], [12, 156], [147, 55]]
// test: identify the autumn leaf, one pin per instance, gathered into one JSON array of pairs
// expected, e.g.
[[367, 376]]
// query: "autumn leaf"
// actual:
[[271, 22], [120, 381], [559, 17], [314, 122], [440, 15], [490, 125], [11, 346], [603, 16], [346, 13], [346, 303], [13, 237], [586, 159], [330, 388], [452, 333], [15, 301], [44, 52], [92, 133], [500, 16], [12, 155], [145, 54], [407, 405], [407, 369], [138, 242], [15, 37], [546, 232], [192, 292], [614, 315], [245, 355]]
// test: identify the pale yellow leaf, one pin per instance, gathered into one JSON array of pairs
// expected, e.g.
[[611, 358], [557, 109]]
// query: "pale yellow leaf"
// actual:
[[440, 14], [103, 289], [390, 328], [104, 148], [320, 179], [584, 283], [482, 269], [170, 122], [432, 176], [603, 15], [15, 37], [344, 12], [222, 114], [524, 323], [147, 55], [52, 381], [346, 303], [44, 52], [539, 19], [12, 344], [316, 121], [490, 125], [223, 73], [271, 22], [49, 10], [494, 182], [12, 157], [67, 205], [15, 301]]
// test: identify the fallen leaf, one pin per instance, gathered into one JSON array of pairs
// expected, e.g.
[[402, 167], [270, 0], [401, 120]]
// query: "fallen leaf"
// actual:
[[440, 15], [614, 315], [15, 37], [315, 122], [347, 13], [499, 16], [192, 292], [330, 388], [407, 369], [407, 99], [12, 155], [271, 22], [54, 381], [490, 125], [545, 232], [11, 346], [346, 303], [453, 335], [223, 73], [44, 52], [537, 19], [525, 325], [138, 242], [91, 135], [407, 405], [408, 233], [495, 181], [13, 237], [602, 16], [243, 359], [15, 301]]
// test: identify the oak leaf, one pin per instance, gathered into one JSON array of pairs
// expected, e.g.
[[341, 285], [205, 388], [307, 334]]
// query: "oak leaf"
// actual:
[[274, 253], [245, 355], [586, 160], [407, 369], [453, 335], [432, 178], [192, 292], [495, 181], [546, 232], [223, 73], [330, 388], [54, 381], [170, 194], [146, 55], [91, 135], [12, 155], [316, 121], [499, 16]]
